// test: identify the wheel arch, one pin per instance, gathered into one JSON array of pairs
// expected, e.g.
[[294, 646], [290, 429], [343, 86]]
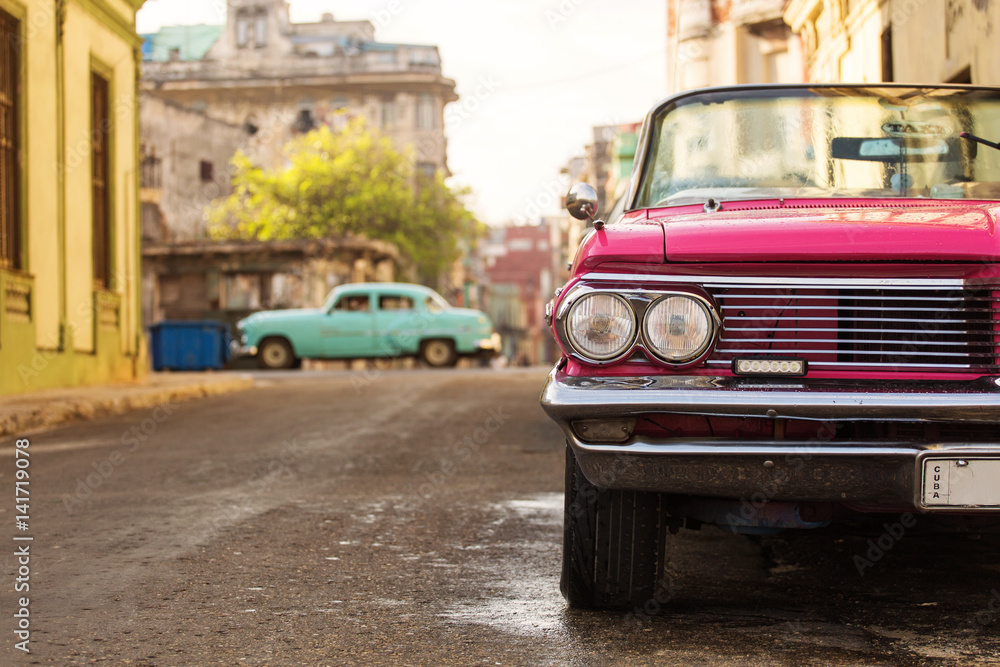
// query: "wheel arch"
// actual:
[[263, 338]]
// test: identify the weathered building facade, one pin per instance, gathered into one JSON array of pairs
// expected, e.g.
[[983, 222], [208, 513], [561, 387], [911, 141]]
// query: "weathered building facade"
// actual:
[[523, 264], [276, 79], [727, 42], [911, 41], [225, 281], [253, 85], [185, 166], [69, 194]]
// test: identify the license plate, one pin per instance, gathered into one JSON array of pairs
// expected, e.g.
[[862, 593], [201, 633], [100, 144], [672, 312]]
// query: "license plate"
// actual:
[[961, 482]]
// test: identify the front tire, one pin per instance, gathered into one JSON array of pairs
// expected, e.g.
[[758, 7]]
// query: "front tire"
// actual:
[[612, 545], [275, 354], [438, 353]]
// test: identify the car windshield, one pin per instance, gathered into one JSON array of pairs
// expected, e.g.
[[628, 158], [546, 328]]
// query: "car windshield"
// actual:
[[822, 142]]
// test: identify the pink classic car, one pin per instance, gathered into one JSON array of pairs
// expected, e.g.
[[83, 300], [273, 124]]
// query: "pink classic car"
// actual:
[[795, 321]]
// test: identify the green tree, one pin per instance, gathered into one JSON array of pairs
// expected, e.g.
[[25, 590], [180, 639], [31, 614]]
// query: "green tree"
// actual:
[[349, 182]]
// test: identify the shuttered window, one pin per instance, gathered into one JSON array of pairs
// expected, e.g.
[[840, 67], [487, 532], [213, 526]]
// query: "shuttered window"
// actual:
[[100, 175], [10, 171]]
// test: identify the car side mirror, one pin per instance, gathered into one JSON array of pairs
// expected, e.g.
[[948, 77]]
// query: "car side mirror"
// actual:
[[581, 202]]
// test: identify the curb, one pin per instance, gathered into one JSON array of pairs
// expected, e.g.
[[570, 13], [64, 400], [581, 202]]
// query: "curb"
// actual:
[[62, 411]]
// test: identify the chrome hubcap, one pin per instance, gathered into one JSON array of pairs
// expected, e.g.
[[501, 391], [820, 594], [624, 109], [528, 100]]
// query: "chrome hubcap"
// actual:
[[275, 355], [437, 352]]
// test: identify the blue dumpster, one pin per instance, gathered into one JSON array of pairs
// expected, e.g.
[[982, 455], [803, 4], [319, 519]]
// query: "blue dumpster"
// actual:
[[189, 346]]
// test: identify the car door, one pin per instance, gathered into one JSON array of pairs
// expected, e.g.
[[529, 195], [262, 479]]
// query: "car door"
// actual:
[[396, 324], [349, 327]]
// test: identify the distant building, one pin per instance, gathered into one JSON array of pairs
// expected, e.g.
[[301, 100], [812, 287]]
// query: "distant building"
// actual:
[[524, 265], [904, 40], [596, 166], [254, 84], [277, 79], [226, 281], [622, 154], [69, 221], [185, 166], [727, 42]]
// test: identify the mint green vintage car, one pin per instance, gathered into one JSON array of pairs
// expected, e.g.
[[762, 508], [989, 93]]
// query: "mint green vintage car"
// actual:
[[368, 320]]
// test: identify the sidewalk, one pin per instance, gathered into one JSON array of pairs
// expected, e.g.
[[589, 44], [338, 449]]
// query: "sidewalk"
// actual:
[[24, 413]]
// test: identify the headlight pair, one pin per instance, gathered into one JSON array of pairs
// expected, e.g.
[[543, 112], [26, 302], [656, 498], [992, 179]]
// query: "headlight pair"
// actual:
[[677, 328]]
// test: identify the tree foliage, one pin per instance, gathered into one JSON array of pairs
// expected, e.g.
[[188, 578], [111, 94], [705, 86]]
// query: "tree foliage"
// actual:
[[343, 183]]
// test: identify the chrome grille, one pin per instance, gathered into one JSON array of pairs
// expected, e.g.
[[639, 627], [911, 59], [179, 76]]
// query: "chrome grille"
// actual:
[[885, 325]]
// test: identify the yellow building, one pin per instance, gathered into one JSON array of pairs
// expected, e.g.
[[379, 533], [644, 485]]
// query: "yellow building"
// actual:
[[69, 213]]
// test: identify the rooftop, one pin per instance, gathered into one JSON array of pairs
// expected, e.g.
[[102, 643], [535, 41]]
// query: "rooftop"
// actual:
[[188, 42]]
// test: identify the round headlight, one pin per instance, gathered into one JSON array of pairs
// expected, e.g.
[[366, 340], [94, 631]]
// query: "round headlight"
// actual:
[[678, 328], [600, 326]]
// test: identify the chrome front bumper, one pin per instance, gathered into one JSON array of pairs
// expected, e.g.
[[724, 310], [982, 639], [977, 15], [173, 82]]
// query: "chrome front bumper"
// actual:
[[491, 344], [237, 350], [819, 469]]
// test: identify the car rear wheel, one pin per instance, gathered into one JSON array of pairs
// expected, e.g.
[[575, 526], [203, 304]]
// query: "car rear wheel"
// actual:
[[438, 353], [612, 546], [275, 353]]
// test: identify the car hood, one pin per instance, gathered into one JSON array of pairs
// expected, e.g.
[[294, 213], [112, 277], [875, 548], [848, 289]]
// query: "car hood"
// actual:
[[749, 232]]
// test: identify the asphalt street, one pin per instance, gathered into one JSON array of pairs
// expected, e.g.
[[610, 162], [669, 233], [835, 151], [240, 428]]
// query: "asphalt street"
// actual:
[[413, 517]]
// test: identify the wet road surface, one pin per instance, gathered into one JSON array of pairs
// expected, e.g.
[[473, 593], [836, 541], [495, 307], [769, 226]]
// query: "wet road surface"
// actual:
[[414, 518]]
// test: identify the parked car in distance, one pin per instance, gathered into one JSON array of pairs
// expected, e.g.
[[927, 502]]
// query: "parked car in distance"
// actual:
[[369, 320], [794, 323]]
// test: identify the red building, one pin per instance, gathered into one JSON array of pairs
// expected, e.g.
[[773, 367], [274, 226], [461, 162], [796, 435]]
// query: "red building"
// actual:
[[523, 266]]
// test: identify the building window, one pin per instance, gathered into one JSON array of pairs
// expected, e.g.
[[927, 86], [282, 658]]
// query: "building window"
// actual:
[[242, 29], [260, 29], [10, 180], [251, 125], [152, 223], [100, 160], [887, 73], [151, 174], [387, 113], [304, 122], [207, 171], [425, 112], [427, 169]]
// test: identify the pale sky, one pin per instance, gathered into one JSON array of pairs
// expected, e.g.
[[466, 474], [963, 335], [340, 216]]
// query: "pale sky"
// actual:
[[533, 77]]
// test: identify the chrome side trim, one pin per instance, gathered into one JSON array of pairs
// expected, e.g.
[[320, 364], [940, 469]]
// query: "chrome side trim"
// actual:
[[878, 353], [740, 281], [845, 339], [565, 398], [866, 366]]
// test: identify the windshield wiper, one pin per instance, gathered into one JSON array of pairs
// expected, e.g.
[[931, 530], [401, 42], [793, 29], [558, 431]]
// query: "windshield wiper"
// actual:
[[979, 140]]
